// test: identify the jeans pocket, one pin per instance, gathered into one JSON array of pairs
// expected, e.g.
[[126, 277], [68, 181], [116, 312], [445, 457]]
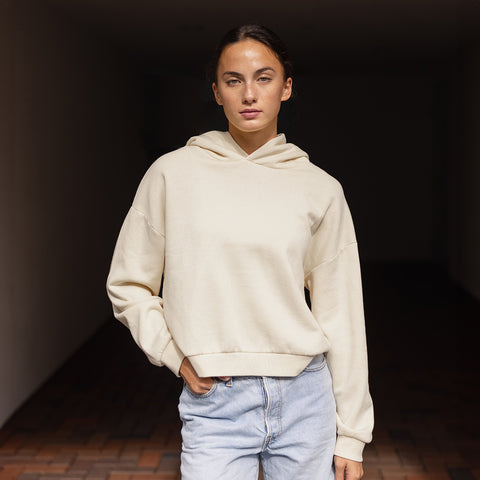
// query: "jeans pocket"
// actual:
[[318, 363], [201, 395]]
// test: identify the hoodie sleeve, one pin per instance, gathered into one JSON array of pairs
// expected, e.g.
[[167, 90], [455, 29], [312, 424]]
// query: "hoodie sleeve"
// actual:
[[136, 270], [334, 282]]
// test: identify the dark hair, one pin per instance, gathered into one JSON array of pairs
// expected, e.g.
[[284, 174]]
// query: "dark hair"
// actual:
[[255, 32]]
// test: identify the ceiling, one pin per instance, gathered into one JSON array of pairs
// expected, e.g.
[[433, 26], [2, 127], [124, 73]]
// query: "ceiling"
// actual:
[[185, 31]]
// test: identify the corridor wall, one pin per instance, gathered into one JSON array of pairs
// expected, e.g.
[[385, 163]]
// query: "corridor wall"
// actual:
[[68, 117]]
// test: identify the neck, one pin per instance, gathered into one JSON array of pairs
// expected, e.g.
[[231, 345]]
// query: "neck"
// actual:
[[250, 141]]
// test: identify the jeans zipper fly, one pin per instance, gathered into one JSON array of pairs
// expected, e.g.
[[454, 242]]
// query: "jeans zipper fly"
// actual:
[[267, 413]]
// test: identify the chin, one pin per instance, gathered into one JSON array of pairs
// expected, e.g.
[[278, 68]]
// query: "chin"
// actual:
[[250, 127]]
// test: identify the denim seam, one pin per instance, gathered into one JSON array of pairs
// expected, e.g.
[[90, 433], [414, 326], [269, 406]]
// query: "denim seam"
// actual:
[[279, 409], [318, 367]]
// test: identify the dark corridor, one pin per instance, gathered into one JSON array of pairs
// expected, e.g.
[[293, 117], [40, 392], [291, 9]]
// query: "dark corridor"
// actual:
[[387, 100]]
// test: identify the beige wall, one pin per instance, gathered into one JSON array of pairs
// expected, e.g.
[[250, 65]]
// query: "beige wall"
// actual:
[[66, 120]]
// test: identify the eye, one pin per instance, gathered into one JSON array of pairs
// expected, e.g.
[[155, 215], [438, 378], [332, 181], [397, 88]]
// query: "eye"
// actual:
[[264, 79], [232, 81]]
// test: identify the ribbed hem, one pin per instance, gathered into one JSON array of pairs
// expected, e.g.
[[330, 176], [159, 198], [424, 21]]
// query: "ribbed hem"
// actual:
[[249, 364], [172, 357], [348, 447]]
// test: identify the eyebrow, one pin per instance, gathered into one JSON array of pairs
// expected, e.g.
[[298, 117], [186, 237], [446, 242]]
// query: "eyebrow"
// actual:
[[237, 74]]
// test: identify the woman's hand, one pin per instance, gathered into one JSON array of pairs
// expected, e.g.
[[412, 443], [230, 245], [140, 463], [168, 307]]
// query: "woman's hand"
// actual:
[[196, 384], [346, 469]]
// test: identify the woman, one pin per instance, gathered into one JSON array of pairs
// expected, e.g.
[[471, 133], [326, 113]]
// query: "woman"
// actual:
[[239, 222]]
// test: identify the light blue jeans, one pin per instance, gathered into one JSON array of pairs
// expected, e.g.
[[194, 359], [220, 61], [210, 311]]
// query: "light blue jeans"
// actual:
[[286, 423]]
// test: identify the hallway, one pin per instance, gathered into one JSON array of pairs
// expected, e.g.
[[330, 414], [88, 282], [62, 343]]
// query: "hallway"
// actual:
[[108, 414], [387, 100]]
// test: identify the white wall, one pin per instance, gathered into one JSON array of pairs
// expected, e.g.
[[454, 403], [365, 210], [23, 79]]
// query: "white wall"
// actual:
[[66, 120]]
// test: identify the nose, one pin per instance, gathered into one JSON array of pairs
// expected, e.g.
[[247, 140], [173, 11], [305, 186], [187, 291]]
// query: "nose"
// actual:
[[249, 93]]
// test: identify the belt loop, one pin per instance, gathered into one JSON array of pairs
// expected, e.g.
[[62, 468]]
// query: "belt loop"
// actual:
[[229, 382]]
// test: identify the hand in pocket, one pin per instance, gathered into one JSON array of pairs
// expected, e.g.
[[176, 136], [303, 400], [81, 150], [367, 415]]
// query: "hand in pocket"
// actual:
[[196, 384]]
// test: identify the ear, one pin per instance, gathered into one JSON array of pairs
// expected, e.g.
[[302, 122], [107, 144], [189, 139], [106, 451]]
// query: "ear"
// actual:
[[287, 89], [218, 99]]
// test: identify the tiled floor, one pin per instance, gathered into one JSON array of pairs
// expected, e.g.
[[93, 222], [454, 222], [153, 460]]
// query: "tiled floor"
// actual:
[[110, 415]]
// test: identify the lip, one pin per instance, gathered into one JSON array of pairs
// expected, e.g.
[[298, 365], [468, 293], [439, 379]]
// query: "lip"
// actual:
[[250, 113]]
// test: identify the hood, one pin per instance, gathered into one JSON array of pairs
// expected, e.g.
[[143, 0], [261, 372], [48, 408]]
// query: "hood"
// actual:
[[276, 153]]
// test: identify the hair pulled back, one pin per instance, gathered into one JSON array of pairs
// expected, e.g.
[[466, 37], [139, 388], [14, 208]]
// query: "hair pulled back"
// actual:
[[256, 32]]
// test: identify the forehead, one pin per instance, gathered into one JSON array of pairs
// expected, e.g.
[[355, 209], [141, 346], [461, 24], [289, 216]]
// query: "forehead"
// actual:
[[247, 53]]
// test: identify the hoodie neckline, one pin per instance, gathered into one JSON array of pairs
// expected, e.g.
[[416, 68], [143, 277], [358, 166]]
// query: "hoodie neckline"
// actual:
[[275, 153], [277, 139]]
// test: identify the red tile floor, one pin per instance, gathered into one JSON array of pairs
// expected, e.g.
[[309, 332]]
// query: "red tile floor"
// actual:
[[108, 414]]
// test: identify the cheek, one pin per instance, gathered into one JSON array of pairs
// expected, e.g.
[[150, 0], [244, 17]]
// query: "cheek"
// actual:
[[219, 97], [275, 99], [228, 102]]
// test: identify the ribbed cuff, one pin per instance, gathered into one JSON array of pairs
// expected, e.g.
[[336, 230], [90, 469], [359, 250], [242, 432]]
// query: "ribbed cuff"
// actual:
[[172, 357], [348, 447]]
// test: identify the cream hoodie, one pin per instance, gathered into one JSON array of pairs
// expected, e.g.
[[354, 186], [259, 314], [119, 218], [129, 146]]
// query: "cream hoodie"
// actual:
[[237, 237]]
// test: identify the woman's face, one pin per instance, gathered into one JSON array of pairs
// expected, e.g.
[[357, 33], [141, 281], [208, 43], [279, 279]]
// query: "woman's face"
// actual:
[[251, 87]]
